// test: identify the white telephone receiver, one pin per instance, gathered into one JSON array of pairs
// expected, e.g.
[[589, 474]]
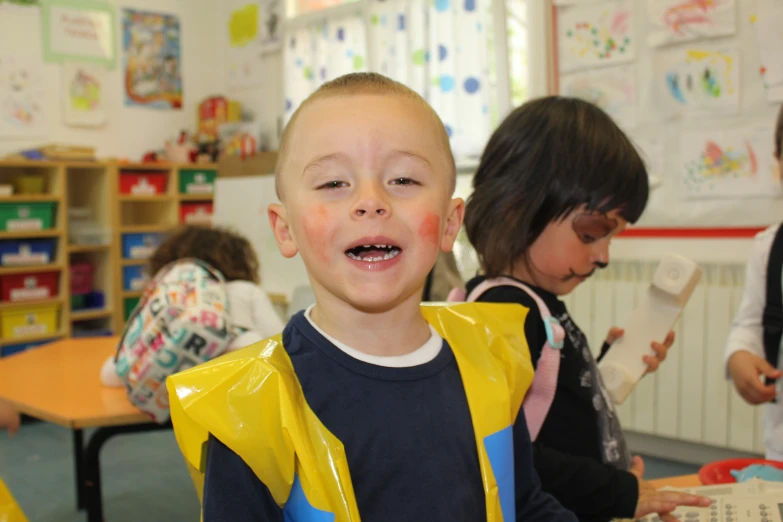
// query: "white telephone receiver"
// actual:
[[671, 287]]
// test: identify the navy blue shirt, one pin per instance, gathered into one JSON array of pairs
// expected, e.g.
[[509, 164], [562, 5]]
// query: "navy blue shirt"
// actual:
[[408, 438]]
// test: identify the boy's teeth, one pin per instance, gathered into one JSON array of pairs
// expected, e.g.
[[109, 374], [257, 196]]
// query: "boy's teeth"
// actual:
[[375, 259]]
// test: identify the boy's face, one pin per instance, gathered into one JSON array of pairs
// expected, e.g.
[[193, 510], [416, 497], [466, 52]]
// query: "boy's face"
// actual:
[[568, 252], [366, 185]]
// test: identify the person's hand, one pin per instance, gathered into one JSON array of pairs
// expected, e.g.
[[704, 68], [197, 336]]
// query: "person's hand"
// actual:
[[9, 418], [745, 369], [660, 349], [661, 503], [652, 361]]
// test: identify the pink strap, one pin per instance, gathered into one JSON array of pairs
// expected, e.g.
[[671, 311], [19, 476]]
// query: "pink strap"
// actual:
[[542, 391]]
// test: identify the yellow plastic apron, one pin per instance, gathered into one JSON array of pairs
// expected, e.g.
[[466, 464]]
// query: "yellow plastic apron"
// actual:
[[252, 401], [9, 509]]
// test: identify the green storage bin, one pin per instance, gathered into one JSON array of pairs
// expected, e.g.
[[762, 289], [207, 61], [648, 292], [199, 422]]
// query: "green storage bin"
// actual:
[[197, 181], [78, 301], [18, 217], [129, 303]]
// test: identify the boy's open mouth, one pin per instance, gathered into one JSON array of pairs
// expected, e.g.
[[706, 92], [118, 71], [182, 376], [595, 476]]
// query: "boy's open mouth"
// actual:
[[373, 253]]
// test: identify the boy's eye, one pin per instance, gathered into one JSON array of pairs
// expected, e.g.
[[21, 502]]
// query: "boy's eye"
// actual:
[[587, 239], [404, 181], [333, 185]]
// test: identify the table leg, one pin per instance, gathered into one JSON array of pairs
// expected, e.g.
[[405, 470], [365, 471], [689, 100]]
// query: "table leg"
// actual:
[[92, 465], [78, 462]]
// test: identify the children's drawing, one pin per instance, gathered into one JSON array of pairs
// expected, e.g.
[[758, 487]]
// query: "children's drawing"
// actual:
[[151, 42], [653, 152], [682, 20], [729, 164], [613, 89], [22, 98], [84, 94], [769, 36], [243, 64], [271, 24], [697, 81], [592, 35]]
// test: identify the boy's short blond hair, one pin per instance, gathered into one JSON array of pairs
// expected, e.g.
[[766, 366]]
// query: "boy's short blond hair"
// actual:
[[362, 83]]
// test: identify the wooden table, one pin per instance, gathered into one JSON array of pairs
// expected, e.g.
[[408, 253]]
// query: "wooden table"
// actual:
[[60, 383]]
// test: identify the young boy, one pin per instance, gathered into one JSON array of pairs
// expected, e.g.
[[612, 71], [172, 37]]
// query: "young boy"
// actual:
[[386, 419], [753, 348]]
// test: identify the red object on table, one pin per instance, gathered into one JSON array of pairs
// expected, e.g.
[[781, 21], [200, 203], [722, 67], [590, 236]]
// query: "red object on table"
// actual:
[[720, 472]]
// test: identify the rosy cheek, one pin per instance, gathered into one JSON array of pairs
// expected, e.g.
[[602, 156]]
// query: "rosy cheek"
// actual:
[[316, 228], [429, 230]]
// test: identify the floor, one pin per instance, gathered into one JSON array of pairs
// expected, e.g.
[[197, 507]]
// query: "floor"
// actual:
[[144, 476]]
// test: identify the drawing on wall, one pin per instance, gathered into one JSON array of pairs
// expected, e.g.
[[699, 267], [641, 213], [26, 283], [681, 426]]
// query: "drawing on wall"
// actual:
[[153, 75], [612, 88], [682, 20], [22, 98], [697, 81], [271, 25], [766, 23], [729, 164], [243, 66], [84, 94], [594, 35], [653, 152]]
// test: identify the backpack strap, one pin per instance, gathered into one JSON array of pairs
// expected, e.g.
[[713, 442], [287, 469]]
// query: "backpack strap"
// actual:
[[772, 318], [542, 392]]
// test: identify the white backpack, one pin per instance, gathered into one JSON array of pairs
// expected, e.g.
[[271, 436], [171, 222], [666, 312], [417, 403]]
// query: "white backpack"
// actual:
[[181, 321]]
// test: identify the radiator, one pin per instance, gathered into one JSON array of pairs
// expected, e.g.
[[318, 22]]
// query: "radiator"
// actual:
[[688, 398]]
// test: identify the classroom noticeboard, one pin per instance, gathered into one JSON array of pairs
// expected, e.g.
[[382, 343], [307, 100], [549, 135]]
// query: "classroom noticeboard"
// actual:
[[697, 87]]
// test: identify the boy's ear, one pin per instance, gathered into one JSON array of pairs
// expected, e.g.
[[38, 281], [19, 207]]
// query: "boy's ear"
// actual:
[[454, 216], [281, 230]]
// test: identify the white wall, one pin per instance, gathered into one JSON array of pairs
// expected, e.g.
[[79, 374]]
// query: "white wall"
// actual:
[[264, 100], [130, 131]]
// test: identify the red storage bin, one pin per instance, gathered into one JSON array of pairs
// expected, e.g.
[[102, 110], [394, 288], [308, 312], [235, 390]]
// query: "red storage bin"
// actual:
[[142, 183], [196, 213], [81, 278], [28, 287]]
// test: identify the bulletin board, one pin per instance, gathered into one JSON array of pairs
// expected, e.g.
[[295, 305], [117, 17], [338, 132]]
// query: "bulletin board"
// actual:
[[697, 86]]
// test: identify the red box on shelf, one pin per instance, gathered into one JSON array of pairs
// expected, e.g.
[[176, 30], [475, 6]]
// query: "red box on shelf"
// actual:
[[29, 287], [142, 183], [81, 278], [196, 213]]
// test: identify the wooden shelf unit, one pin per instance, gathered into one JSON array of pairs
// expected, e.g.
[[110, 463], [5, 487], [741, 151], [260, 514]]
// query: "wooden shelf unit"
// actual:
[[93, 185], [149, 214]]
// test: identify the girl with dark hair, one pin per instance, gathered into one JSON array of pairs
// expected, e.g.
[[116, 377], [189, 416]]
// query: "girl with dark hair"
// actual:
[[557, 181]]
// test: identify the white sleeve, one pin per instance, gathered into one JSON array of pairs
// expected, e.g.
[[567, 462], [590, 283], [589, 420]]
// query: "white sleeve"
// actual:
[[746, 330], [266, 320], [109, 374]]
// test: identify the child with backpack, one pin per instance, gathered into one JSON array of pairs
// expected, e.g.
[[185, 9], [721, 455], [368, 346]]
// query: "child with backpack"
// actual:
[[556, 182], [250, 312], [753, 346]]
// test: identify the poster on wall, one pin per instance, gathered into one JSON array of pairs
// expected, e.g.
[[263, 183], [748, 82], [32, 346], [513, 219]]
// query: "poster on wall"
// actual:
[[22, 98], [152, 60], [271, 25], [766, 23], [735, 163], [595, 35], [84, 94], [673, 21], [78, 30], [697, 81], [611, 88], [243, 64]]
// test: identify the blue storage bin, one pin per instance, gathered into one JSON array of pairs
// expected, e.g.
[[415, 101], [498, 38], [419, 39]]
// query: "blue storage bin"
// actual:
[[140, 246], [18, 348], [134, 278], [22, 252]]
